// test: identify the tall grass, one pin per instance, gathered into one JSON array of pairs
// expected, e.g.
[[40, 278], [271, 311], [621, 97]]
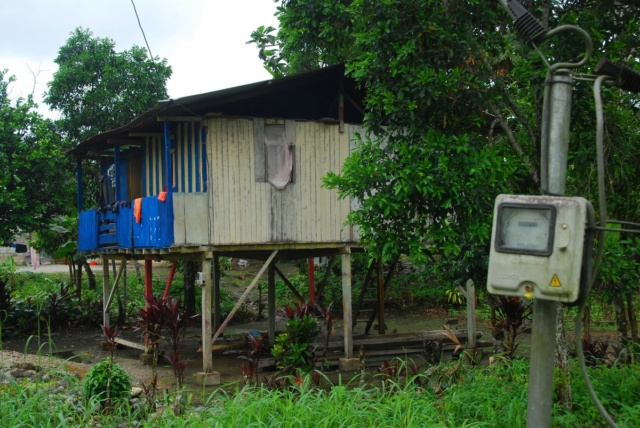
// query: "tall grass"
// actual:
[[451, 395]]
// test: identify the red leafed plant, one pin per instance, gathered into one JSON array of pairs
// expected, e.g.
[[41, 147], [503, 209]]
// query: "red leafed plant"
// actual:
[[259, 346], [111, 335], [508, 314]]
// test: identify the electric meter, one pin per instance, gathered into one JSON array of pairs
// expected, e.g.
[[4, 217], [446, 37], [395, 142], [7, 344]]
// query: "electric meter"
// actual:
[[537, 247]]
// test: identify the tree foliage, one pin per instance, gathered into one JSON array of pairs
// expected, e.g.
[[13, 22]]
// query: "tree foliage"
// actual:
[[454, 101], [97, 88], [35, 178]]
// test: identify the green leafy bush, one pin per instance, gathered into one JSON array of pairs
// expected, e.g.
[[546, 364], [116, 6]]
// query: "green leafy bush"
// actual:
[[107, 382], [293, 348]]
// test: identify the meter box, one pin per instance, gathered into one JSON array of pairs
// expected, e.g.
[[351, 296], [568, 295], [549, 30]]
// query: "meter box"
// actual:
[[537, 247]]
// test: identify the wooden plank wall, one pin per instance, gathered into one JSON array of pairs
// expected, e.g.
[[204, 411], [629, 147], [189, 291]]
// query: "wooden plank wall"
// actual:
[[246, 211], [191, 219]]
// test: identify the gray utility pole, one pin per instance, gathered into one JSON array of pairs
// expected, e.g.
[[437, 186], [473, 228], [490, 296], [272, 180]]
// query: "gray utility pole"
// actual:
[[556, 118]]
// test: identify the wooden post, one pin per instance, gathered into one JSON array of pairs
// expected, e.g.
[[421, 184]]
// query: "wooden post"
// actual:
[[148, 278], [207, 359], [271, 298], [105, 291], [312, 284], [114, 289], [244, 296], [471, 314], [216, 292], [346, 305]]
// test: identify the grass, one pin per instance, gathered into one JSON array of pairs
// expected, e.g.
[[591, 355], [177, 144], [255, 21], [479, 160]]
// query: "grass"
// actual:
[[452, 394]]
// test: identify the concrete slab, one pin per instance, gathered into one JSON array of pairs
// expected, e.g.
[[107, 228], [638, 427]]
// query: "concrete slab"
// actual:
[[208, 379]]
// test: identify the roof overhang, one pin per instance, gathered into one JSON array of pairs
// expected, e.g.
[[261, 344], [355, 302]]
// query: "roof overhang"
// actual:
[[314, 95]]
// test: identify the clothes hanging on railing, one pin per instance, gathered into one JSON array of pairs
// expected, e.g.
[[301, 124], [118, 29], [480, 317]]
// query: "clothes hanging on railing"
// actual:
[[137, 209]]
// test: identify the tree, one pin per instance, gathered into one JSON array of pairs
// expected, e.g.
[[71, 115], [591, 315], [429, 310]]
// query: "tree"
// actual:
[[97, 89], [450, 71], [430, 68], [35, 178]]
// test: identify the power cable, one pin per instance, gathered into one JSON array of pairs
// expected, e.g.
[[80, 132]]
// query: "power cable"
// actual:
[[141, 29], [593, 266]]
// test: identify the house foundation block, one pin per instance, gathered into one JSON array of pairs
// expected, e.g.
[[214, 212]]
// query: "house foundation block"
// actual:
[[208, 378], [349, 364]]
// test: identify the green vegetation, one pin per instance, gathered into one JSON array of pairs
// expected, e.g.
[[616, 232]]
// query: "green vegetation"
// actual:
[[293, 348], [36, 178], [453, 394], [107, 382], [93, 78]]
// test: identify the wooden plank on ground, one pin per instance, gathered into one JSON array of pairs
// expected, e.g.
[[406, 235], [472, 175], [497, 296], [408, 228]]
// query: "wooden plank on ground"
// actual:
[[129, 343]]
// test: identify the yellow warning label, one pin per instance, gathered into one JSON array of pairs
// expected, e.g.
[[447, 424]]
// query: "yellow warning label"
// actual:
[[555, 282]]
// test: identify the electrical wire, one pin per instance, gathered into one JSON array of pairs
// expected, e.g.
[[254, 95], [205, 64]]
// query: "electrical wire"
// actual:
[[141, 29], [593, 267]]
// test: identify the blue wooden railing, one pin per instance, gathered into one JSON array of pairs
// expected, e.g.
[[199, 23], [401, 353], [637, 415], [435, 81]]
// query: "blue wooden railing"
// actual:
[[115, 226]]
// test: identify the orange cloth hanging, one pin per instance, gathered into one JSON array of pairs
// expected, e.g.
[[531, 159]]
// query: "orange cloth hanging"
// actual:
[[163, 195], [137, 209]]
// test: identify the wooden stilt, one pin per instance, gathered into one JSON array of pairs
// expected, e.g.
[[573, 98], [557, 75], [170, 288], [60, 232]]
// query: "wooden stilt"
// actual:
[[271, 297], [114, 290], [216, 293], [148, 278], [105, 291], [207, 359], [312, 285], [289, 284], [346, 305], [323, 282], [244, 296]]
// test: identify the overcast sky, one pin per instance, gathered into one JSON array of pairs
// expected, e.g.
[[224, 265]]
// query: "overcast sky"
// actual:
[[204, 41]]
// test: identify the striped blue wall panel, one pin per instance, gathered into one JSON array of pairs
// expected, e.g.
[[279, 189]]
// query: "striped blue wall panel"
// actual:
[[88, 231], [152, 164], [189, 158], [202, 173], [155, 229], [121, 179], [188, 161], [124, 230]]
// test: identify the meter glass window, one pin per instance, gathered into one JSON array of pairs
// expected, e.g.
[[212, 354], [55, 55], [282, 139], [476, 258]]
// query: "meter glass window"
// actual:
[[526, 229]]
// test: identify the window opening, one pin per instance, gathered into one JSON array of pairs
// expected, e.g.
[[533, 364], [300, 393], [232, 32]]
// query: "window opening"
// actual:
[[279, 157]]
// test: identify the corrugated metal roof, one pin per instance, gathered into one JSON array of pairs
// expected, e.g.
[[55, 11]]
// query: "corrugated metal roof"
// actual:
[[313, 95]]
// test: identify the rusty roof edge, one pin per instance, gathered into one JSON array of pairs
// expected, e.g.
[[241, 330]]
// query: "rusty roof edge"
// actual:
[[183, 103], [84, 146]]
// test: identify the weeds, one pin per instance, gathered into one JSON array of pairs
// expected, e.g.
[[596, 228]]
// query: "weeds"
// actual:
[[293, 349], [258, 347], [451, 394], [508, 316]]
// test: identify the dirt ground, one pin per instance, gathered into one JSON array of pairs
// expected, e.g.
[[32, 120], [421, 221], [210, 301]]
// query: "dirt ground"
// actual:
[[82, 347], [79, 348]]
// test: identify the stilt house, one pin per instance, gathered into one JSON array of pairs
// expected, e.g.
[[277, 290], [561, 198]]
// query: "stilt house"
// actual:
[[236, 172]]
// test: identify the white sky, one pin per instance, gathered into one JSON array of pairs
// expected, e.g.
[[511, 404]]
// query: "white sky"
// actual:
[[204, 41]]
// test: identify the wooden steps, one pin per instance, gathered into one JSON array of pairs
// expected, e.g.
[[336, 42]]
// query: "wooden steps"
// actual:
[[378, 348]]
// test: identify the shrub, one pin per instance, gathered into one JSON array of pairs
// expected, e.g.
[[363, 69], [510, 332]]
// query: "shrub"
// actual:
[[107, 382], [293, 348]]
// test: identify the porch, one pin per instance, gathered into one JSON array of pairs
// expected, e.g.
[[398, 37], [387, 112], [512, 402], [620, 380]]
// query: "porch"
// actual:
[[117, 226]]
